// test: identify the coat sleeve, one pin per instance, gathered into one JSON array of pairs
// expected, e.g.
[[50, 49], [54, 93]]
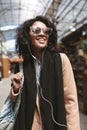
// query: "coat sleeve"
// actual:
[[70, 95]]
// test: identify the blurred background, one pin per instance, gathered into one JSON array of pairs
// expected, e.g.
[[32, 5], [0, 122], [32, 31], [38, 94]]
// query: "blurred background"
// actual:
[[70, 19]]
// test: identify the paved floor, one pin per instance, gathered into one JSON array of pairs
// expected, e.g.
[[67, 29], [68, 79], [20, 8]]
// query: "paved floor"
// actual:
[[5, 88]]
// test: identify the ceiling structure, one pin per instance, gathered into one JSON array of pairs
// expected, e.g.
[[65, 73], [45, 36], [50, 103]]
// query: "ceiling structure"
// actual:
[[67, 15], [14, 12]]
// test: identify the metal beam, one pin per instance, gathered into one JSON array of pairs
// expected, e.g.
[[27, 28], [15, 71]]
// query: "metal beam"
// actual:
[[53, 8]]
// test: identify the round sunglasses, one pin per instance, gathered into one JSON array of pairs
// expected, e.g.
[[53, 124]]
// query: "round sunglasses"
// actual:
[[37, 30]]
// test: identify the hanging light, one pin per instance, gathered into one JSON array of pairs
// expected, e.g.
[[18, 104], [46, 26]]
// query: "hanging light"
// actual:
[[72, 28]]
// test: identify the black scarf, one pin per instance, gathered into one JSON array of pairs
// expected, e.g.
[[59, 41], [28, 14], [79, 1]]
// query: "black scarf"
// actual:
[[50, 90]]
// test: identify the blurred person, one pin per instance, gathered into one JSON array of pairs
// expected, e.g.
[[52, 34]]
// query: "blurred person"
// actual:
[[49, 96]]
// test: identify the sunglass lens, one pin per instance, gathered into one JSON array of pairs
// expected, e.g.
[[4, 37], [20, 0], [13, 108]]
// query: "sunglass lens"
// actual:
[[48, 31], [35, 30]]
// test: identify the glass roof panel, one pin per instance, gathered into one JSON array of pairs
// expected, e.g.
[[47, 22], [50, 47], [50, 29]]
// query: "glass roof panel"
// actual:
[[65, 13]]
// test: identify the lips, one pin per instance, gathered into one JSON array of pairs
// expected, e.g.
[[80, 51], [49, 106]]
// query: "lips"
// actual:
[[41, 39]]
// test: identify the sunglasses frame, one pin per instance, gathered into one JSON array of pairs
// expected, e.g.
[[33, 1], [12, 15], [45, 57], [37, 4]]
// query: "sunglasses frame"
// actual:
[[37, 30]]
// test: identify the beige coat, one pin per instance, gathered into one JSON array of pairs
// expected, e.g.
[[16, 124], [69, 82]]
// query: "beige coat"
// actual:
[[70, 98]]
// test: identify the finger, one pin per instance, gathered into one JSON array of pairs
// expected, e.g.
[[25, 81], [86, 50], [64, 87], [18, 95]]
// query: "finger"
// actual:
[[17, 76]]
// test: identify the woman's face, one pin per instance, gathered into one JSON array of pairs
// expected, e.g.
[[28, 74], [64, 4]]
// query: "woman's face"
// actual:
[[39, 34]]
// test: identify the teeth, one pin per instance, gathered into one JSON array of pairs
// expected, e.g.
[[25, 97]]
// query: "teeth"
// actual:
[[40, 39]]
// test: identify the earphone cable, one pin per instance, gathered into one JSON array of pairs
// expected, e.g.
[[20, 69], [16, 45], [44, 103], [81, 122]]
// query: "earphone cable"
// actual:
[[60, 124]]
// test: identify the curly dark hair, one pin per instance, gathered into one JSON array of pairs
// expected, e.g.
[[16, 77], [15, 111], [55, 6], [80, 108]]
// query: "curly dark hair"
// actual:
[[23, 40]]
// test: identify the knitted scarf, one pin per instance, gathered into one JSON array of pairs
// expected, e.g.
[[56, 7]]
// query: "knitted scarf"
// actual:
[[51, 95]]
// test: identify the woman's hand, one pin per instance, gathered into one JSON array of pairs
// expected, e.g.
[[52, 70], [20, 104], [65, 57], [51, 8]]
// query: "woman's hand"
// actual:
[[16, 82]]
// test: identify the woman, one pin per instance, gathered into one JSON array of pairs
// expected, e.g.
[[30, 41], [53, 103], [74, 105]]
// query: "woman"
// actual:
[[49, 97]]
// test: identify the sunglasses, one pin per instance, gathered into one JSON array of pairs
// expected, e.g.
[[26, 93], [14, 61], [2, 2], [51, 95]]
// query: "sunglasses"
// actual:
[[37, 30]]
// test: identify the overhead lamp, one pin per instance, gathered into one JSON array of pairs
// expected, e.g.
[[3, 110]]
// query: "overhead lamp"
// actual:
[[9, 27], [72, 29], [84, 32]]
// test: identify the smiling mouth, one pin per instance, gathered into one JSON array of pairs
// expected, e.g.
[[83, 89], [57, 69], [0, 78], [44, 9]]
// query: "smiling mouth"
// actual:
[[41, 39]]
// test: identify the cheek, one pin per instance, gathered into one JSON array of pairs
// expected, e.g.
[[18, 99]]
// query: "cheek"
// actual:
[[33, 41], [32, 38], [47, 40]]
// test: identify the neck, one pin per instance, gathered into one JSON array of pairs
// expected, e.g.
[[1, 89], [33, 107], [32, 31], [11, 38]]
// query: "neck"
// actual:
[[38, 54]]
